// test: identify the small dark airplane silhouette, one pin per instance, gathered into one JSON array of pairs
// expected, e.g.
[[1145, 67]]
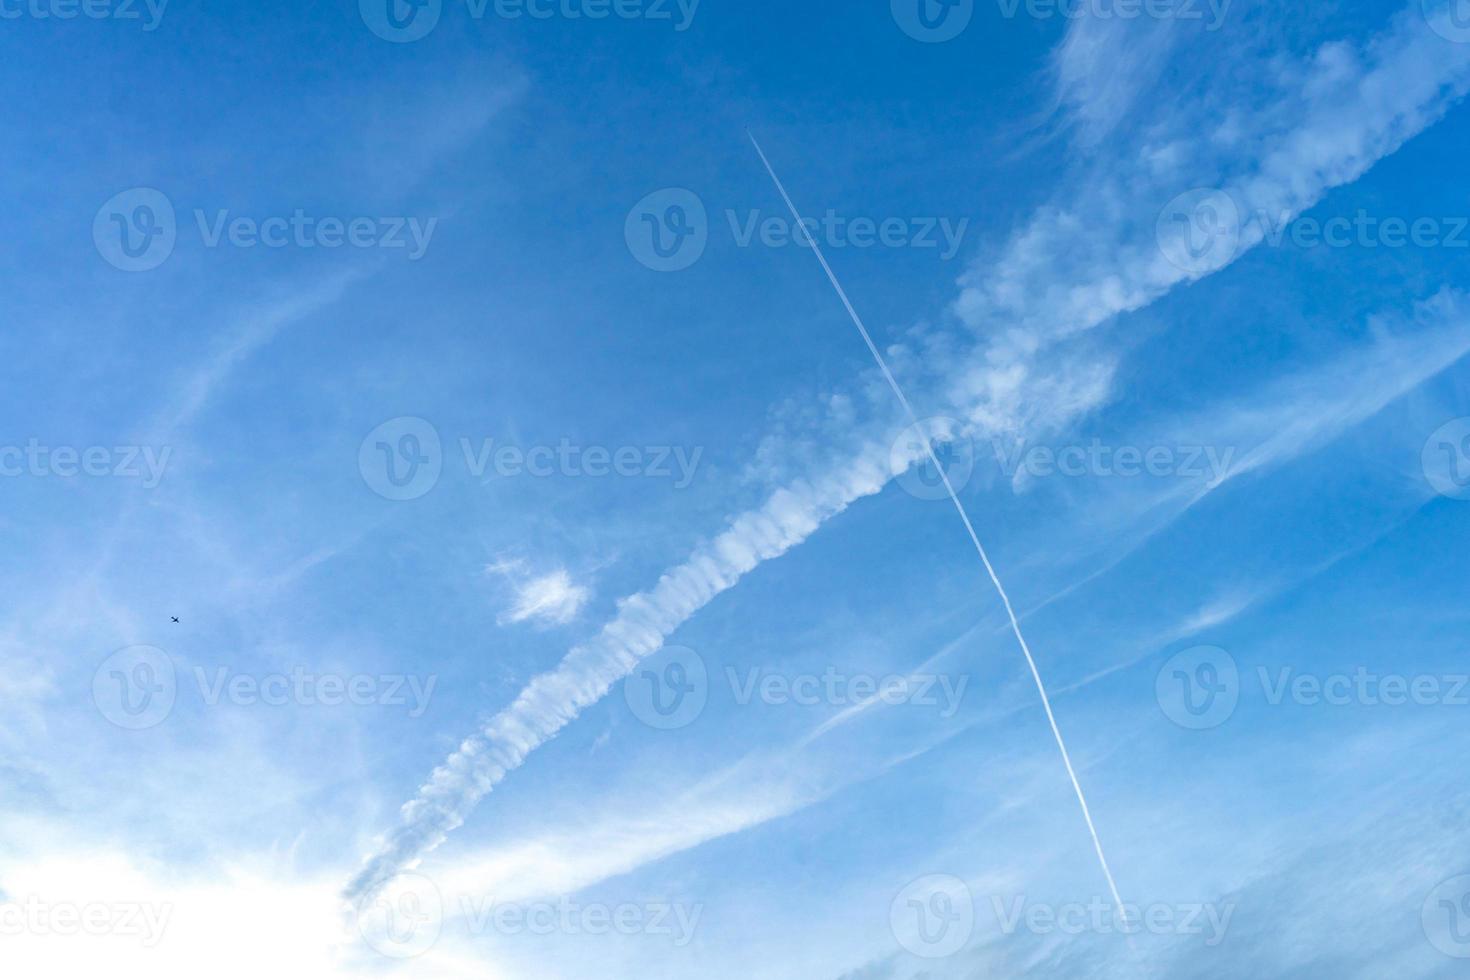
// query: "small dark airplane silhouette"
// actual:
[[174, 618]]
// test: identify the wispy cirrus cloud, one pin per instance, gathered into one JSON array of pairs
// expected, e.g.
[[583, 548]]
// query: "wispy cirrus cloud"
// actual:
[[1101, 250], [1076, 265], [749, 794]]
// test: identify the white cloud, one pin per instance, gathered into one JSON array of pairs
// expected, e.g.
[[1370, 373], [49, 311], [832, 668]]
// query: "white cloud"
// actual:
[[554, 699], [551, 598], [1320, 123], [1069, 271]]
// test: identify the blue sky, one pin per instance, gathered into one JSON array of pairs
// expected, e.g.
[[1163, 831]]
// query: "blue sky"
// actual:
[[561, 590]]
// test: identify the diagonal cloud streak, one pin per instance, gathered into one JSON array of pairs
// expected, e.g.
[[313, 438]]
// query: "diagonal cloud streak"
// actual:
[[552, 700], [1052, 282]]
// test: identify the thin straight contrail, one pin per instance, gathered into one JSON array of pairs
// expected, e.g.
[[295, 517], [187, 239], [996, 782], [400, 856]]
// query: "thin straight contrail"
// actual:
[[964, 516]]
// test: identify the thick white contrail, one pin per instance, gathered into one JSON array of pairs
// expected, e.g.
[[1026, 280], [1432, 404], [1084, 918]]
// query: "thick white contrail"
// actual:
[[552, 700], [964, 516]]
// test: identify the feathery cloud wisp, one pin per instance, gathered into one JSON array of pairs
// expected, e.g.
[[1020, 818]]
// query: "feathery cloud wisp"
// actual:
[[551, 598]]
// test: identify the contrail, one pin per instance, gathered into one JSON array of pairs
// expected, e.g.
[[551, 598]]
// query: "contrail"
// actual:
[[553, 699], [964, 516]]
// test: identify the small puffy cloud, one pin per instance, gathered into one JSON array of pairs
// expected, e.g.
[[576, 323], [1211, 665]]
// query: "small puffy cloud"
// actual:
[[549, 599]]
